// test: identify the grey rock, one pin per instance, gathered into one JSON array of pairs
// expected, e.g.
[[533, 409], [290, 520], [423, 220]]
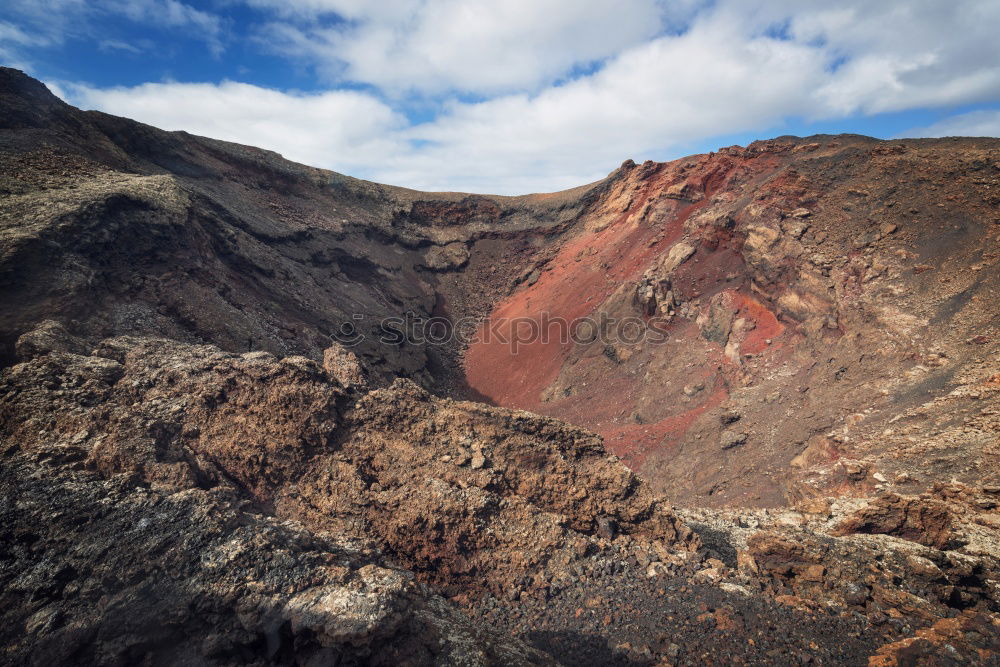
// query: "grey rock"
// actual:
[[731, 439]]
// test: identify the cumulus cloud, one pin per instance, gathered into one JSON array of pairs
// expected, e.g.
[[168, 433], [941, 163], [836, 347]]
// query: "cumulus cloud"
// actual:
[[543, 115], [647, 99], [344, 130], [902, 55], [982, 123], [460, 45]]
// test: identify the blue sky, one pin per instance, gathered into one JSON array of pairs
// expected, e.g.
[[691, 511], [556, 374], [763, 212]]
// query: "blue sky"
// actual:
[[521, 95]]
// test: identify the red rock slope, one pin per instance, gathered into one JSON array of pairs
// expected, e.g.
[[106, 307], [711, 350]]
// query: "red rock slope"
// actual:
[[796, 295]]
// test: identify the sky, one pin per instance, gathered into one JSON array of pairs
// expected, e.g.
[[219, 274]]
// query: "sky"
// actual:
[[515, 96]]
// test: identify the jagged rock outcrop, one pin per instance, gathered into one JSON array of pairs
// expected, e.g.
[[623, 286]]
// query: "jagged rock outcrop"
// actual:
[[250, 456], [478, 484], [923, 520], [170, 453], [109, 571]]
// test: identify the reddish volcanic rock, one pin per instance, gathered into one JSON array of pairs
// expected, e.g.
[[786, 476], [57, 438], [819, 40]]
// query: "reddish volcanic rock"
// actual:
[[769, 279]]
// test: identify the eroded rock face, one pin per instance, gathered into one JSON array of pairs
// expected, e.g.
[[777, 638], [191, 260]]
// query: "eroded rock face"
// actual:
[[103, 571], [112, 228], [183, 416], [48, 336], [345, 368], [484, 496], [923, 520], [300, 517], [473, 499], [970, 638], [802, 559]]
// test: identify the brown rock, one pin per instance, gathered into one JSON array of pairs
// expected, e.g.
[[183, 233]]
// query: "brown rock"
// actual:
[[343, 367], [446, 258], [918, 519], [48, 336], [285, 434], [970, 638]]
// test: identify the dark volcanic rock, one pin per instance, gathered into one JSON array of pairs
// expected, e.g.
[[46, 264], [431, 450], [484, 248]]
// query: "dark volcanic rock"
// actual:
[[209, 452], [110, 572], [112, 227]]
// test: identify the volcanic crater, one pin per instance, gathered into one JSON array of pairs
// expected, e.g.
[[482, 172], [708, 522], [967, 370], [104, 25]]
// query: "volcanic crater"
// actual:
[[217, 448]]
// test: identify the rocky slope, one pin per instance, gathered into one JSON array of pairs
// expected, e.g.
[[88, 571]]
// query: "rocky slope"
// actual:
[[819, 316], [121, 228], [194, 471]]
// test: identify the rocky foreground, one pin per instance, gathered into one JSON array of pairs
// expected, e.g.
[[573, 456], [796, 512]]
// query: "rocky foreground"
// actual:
[[192, 472], [175, 502]]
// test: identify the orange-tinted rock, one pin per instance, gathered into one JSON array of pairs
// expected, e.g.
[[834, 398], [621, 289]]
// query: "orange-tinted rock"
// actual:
[[919, 519]]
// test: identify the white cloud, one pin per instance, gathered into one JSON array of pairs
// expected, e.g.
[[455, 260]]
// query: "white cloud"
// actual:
[[13, 40], [983, 123], [902, 55], [648, 99], [895, 54], [11, 34], [884, 56], [732, 69], [17, 40], [117, 45], [462, 45], [645, 99], [348, 9], [343, 130]]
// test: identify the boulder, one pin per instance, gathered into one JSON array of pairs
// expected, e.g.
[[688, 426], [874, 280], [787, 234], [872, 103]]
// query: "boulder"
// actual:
[[447, 257], [915, 518]]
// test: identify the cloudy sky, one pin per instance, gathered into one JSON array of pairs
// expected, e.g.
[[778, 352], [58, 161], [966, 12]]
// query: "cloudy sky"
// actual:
[[514, 96]]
